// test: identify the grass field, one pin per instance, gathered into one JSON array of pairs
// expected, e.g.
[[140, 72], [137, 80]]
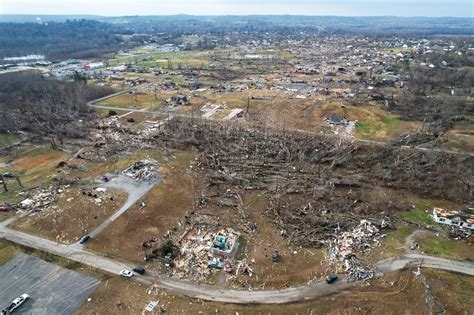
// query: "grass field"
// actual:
[[417, 216], [7, 251], [8, 138], [35, 166], [446, 248], [392, 244], [387, 128]]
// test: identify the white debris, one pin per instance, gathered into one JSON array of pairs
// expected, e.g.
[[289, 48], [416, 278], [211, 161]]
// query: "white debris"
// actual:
[[142, 170]]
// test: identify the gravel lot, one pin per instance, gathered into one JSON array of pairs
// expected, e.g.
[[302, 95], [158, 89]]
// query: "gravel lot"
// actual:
[[52, 289]]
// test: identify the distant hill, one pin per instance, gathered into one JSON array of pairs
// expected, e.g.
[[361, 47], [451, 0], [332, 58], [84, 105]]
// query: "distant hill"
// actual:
[[371, 25], [25, 18]]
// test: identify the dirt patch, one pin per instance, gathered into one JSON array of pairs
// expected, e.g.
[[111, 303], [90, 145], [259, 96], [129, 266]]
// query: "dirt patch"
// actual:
[[453, 291]]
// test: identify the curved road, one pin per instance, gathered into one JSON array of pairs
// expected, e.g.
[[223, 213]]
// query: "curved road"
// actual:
[[210, 293]]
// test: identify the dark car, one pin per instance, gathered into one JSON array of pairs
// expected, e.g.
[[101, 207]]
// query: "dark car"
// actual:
[[331, 279], [139, 269], [276, 256], [84, 239]]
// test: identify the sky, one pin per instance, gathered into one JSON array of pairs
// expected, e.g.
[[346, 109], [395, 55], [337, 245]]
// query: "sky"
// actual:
[[455, 8]]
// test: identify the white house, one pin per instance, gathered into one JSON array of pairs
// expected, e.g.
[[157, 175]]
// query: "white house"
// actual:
[[454, 218]]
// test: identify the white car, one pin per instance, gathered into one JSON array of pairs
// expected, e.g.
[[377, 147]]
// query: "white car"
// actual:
[[126, 273], [17, 302]]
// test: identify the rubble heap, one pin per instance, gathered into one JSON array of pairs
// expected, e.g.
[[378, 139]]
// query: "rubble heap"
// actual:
[[41, 199], [198, 254], [142, 170], [346, 246]]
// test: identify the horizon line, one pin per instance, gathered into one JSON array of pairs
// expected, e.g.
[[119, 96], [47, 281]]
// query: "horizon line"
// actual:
[[239, 15]]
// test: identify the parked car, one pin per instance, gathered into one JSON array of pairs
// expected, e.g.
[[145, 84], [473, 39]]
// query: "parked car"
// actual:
[[16, 303], [84, 239], [139, 270], [126, 273], [331, 279], [276, 256]]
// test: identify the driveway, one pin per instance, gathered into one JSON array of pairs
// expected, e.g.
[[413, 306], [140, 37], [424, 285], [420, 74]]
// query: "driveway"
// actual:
[[135, 190]]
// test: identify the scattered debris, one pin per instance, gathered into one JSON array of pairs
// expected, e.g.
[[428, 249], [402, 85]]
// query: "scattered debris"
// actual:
[[142, 170], [346, 246], [178, 100], [41, 199], [152, 305]]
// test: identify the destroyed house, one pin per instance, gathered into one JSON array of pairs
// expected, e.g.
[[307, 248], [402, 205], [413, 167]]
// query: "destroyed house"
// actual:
[[335, 119], [224, 244], [454, 218]]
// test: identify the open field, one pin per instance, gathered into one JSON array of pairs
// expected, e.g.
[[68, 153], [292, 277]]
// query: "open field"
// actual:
[[453, 291], [132, 101], [441, 246]]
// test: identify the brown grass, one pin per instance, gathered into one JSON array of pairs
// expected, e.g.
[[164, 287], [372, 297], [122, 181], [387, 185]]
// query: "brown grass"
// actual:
[[75, 215]]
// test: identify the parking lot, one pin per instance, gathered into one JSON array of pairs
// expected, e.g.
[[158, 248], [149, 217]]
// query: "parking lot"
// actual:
[[52, 289]]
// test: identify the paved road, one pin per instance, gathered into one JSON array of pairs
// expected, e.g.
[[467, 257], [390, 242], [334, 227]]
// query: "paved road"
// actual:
[[211, 293]]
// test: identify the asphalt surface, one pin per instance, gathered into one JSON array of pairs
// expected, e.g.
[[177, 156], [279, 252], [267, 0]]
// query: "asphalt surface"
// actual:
[[52, 289]]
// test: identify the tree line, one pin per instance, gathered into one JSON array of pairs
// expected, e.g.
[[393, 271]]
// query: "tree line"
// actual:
[[46, 107], [60, 40]]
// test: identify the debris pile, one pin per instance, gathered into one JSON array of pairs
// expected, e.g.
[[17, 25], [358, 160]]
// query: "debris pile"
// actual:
[[243, 271], [41, 199], [200, 251], [98, 194], [178, 100], [195, 256], [347, 245], [142, 170]]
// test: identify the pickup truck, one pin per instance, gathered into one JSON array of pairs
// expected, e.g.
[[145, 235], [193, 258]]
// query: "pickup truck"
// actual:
[[15, 304]]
